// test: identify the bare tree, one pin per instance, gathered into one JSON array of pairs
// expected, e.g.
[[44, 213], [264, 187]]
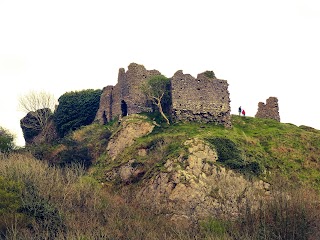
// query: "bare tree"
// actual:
[[39, 107]]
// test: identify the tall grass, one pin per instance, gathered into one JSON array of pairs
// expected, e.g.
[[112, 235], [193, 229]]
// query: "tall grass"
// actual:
[[290, 213], [67, 204]]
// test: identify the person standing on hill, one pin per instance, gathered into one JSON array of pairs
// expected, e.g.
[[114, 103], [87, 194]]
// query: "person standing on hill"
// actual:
[[239, 110], [243, 112]]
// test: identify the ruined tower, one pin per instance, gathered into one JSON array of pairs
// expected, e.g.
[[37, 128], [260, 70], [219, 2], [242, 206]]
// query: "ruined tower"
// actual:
[[128, 90], [269, 110]]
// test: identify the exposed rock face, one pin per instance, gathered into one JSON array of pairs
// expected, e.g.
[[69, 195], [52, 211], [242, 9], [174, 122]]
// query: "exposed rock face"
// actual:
[[127, 89], [34, 132], [204, 99], [269, 110], [196, 188], [131, 128], [48, 135]]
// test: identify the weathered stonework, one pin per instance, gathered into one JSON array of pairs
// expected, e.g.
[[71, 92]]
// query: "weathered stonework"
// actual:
[[204, 99], [127, 89], [269, 110]]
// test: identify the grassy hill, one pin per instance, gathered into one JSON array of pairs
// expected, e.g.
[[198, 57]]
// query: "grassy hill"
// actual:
[[56, 199], [260, 147]]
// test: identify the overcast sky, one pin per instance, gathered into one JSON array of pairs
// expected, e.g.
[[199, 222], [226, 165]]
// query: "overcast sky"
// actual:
[[262, 48]]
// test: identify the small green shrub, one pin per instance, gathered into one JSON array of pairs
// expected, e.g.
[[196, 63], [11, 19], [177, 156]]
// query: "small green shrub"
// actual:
[[214, 227], [40, 151], [209, 74], [6, 141], [75, 155], [230, 155], [10, 202]]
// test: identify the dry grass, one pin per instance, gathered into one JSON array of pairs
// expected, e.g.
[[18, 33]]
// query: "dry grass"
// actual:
[[68, 204]]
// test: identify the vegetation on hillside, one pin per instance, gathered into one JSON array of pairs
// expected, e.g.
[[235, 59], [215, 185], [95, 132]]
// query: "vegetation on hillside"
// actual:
[[76, 109], [39, 201], [67, 195], [6, 141]]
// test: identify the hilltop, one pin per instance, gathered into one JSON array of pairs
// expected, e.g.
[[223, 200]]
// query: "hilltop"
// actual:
[[166, 164], [205, 168], [144, 179]]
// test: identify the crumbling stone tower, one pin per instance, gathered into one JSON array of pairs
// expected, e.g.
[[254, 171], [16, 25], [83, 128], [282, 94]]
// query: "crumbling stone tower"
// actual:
[[269, 110], [128, 90], [202, 99]]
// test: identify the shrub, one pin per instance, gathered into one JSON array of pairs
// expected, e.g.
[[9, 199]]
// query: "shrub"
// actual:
[[6, 140], [75, 155], [209, 74], [228, 152], [230, 155], [214, 227], [10, 201], [76, 109]]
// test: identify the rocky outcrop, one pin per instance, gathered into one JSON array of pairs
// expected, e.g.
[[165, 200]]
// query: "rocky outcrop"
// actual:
[[187, 188], [131, 128], [196, 187], [269, 110], [38, 127]]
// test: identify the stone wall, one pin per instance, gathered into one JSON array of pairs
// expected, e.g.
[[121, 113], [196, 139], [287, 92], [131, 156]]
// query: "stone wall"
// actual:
[[269, 110], [127, 89], [204, 99], [104, 113]]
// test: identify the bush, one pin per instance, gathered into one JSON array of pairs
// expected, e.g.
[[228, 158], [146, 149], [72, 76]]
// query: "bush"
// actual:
[[228, 152], [214, 227], [6, 141], [76, 109], [75, 155], [10, 202], [46, 216], [230, 155]]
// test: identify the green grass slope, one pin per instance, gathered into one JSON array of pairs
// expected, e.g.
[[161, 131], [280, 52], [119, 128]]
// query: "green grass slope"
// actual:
[[256, 147]]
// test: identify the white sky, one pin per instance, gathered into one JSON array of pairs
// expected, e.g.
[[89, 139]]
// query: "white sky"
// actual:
[[263, 48]]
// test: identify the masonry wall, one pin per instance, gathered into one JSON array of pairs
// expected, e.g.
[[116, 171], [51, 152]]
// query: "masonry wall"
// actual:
[[127, 89], [202, 99], [104, 113], [269, 110], [130, 83]]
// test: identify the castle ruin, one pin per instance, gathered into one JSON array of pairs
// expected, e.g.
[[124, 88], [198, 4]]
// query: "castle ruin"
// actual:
[[269, 110], [127, 91], [202, 99]]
